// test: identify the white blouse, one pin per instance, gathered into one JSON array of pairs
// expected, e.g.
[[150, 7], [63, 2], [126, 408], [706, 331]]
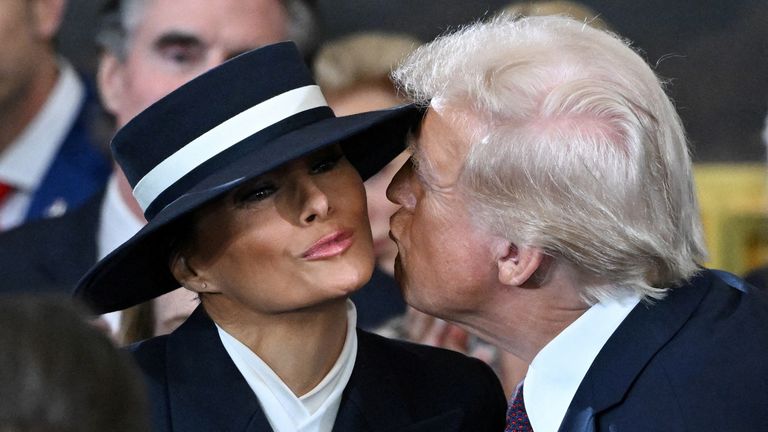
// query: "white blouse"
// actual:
[[313, 412]]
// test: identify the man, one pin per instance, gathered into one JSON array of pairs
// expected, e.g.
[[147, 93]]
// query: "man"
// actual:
[[150, 48], [50, 160], [549, 207]]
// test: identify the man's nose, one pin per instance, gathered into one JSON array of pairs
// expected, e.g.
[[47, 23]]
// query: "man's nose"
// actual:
[[399, 189]]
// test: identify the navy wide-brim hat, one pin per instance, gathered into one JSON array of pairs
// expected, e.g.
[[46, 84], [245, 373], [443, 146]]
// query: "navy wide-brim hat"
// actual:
[[235, 122]]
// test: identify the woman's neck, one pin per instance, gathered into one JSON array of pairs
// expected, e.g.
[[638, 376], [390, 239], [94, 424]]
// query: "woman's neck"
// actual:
[[301, 346]]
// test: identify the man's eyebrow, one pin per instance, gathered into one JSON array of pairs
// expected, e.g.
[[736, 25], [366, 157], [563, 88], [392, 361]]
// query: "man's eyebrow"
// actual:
[[419, 164], [176, 38]]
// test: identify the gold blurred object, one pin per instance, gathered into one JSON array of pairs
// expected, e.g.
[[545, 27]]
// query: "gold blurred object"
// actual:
[[734, 211]]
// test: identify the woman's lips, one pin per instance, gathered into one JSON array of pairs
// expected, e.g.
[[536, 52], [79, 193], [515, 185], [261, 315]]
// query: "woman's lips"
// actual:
[[330, 246]]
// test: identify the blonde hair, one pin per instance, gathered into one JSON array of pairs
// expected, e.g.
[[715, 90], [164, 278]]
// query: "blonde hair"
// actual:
[[361, 59], [571, 9], [576, 149]]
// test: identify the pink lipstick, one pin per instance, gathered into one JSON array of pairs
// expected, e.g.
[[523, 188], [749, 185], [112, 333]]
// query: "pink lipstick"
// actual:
[[330, 246]]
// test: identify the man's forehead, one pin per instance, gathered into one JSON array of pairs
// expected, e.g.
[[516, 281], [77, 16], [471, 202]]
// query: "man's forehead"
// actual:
[[246, 21], [440, 147]]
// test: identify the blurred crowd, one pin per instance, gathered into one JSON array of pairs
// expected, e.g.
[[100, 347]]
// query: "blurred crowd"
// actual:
[[65, 204]]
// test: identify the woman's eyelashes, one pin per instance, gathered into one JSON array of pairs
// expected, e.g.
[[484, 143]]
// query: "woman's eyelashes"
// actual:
[[326, 162], [261, 189], [255, 193]]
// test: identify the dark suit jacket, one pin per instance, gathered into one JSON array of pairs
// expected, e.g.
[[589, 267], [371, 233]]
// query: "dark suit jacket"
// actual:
[[695, 361], [80, 167], [395, 386], [50, 255], [758, 277]]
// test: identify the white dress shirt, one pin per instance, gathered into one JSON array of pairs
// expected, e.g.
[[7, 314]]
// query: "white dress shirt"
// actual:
[[556, 372], [313, 412], [24, 164], [117, 223]]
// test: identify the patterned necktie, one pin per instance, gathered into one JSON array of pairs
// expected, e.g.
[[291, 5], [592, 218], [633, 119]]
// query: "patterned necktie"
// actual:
[[517, 418]]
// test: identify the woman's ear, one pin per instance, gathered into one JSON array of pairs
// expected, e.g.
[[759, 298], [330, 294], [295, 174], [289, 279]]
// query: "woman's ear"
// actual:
[[519, 264], [187, 276]]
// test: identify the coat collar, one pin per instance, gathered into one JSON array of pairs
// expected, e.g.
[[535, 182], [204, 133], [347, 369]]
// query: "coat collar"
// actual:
[[646, 330], [203, 380], [206, 391], [376, 401]]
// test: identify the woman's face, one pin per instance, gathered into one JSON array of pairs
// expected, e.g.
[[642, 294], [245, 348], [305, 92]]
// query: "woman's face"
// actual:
[[295, 237]]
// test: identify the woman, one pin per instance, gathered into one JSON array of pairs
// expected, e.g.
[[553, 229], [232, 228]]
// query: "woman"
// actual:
[[254, 197]]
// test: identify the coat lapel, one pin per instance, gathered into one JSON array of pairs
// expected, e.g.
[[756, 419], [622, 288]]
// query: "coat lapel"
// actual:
[[206, 391], [642, 334], [375, 400]]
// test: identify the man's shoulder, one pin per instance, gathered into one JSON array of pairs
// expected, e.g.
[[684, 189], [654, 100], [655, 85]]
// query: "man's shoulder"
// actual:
[[701, 347], [149, 353], [49, 254]]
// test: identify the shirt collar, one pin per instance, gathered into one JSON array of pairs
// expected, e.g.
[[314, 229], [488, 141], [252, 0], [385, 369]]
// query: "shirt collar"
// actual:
[[26, 161], [117, 223], [313, 412], [556, 372]]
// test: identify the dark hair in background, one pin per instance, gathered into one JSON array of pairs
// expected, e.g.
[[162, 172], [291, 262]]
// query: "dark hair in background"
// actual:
[[59, 373]]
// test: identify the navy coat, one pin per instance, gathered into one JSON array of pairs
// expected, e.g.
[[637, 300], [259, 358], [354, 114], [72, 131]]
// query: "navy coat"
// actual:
[[695, 361], [395, 386], [50, 255]]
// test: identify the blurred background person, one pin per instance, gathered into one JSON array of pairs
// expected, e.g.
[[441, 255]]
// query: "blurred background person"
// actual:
[[759, 276], [58, 373], [575, 10], [149, 48], [51, 159]]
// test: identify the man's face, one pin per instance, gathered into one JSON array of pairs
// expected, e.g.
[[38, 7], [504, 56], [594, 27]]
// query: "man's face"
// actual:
[[177, 40], [22, 44], [445, 261]]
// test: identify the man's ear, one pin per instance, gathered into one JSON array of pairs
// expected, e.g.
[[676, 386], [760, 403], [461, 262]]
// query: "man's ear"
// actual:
[[187, 276], [47, 15], [518, 264], [111, 81]]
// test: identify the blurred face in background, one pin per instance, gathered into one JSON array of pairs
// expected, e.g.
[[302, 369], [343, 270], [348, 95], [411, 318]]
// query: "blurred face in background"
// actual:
[[359, 99], [27, 60], [176, 40]]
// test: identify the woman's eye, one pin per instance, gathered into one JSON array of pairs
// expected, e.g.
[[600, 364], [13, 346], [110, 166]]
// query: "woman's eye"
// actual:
[[257, 193], [327, 163]]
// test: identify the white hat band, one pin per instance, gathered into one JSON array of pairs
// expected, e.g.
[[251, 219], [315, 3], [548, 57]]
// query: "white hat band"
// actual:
[[224, 136]]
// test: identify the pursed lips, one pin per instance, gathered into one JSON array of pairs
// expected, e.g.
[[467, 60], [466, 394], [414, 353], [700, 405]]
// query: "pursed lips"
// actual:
[[330, 246]]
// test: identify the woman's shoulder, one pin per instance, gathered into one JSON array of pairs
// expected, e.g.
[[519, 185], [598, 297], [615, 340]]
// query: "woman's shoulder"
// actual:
[[434, 380], [421, 360], [149, 354]]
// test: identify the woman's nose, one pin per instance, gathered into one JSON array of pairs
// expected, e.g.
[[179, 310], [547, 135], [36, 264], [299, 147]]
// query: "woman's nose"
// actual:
[[399, 190], [314, 201]]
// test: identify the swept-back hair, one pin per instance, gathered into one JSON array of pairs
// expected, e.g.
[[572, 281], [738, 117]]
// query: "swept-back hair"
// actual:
[[576, 148]]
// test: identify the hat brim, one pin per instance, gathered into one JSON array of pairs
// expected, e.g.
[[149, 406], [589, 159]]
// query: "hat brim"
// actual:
[[138, 270]]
